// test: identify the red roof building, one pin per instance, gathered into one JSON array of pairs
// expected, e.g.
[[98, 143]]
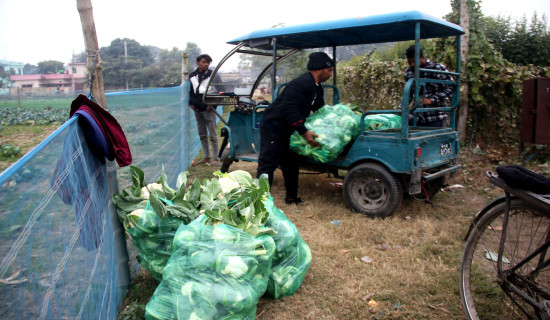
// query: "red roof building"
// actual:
[[73, 79]]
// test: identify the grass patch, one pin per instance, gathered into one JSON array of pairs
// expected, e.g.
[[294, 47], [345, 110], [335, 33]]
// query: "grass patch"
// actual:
[[415, 253], [37, 104], [26, 137]]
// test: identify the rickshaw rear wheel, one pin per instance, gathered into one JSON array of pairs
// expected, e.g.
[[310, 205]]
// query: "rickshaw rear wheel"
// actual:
[[371, 189]]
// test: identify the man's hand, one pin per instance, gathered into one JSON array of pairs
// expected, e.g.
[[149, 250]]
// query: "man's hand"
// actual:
[[208, 109], [426, 101], [192, 107], [310, 138]]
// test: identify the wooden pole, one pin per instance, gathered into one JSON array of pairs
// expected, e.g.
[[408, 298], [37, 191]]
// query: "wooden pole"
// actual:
[[18, 98], [184, 67], [94, 67], [92, 48], [464, 51]]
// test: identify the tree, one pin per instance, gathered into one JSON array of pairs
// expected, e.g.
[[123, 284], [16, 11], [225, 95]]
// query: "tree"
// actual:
[[30, 69], [395, 51], [127, 48], [166, 71], [193, 50], [528, 44], [495, 84], [122, 59], [81, 57], [170, 55], [522, 43], [345, 53], [5, 77], [498, 30], [50, 67], [464, 52]]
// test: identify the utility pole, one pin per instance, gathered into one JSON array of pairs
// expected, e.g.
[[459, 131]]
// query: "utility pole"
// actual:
[[126, 63], [73, 68]]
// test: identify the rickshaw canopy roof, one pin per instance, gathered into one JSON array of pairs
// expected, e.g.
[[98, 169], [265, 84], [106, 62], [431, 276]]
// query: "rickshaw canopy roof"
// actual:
[[390, 27]]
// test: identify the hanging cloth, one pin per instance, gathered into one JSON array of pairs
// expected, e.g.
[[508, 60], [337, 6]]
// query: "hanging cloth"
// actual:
[[109, 126]]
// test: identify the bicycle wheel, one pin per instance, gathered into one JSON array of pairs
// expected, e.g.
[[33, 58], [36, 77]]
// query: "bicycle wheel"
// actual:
[[481, 293]]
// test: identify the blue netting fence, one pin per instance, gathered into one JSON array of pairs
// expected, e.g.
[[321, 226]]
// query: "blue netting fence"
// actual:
[[62, 249]]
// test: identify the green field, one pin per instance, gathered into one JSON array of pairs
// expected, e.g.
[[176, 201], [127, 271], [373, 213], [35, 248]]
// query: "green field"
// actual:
[[37, 103]]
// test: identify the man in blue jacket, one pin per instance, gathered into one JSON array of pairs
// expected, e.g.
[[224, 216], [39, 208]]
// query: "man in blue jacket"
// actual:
[[286, 115]]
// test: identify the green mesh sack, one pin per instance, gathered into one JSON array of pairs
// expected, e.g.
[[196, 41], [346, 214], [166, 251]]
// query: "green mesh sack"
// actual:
[[382, 121], [153, 236], [335, 126], [215, 272], [151, 214], [292, 256]]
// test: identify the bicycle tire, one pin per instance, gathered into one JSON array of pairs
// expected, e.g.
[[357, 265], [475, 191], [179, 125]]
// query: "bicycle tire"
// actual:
[[482, 296]]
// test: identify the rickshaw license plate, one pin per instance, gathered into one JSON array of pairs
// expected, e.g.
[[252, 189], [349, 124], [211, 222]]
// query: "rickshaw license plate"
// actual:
[[445, 149]]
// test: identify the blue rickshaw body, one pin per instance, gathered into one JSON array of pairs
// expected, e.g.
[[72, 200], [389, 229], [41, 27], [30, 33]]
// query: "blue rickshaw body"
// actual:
[[412, 155]]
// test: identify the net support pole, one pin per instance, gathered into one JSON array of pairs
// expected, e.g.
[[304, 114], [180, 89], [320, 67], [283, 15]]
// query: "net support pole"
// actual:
[[185, 162], [92, 48], [184, 67], [96, 88]]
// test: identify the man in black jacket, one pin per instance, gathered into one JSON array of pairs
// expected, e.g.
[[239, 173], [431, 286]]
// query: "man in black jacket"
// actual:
[[206, 118], [286, 115]]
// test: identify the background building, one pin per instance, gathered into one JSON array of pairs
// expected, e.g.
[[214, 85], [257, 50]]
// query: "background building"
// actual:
[[73, 79]]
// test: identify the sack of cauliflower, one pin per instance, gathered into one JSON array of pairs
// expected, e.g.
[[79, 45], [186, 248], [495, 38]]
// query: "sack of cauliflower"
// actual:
[[292, 256], [335, 126], [151, 214], [221, 261]]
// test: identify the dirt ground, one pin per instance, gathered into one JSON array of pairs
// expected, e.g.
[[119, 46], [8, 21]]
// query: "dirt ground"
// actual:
[[26, 137], [413, 257], [402, 267]]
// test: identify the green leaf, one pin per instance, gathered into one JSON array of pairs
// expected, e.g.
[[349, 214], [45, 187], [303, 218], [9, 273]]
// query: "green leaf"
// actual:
[[186, 213], [228, 216], [213, 215], [248, 213], [138, 180], [163, 180], [180, 189], [263, 182], [181, 182], [188, 209], [258, 231], [238, 219], [129, 203], [157, 206], [138, 177], [194, 193]]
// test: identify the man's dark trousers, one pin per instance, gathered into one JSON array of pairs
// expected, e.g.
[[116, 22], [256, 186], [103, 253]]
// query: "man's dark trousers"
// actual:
[[274, 151]]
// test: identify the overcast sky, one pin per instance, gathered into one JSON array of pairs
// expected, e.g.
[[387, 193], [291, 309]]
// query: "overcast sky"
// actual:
[[38, 30]]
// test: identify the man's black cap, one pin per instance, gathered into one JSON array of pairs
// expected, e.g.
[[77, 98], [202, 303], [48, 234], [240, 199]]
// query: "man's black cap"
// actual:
[[319, 60]]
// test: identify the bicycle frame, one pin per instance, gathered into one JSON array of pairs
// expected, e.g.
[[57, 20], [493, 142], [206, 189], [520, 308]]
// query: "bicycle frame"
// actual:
[[506, 276]]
